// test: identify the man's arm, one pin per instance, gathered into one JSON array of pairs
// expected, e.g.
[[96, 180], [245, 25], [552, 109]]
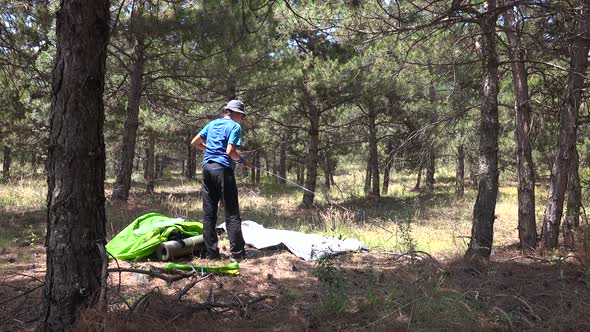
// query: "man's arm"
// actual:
[[198, 143], [235, 155]]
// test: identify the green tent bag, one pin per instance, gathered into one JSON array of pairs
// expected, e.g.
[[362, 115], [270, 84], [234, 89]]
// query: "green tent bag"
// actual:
[[144, 234]]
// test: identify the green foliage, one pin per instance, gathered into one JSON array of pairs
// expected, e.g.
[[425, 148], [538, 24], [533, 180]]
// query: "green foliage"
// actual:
[[407, 242], [333, 283], [32, 237]]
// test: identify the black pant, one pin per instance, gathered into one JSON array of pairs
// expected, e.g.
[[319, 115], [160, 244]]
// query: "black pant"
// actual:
[[219, 182]]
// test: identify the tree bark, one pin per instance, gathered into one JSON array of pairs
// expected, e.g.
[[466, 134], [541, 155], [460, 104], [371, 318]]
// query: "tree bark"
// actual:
[[460, 172], [418, 178], [430, 168], [258, 164], [149, 163], [123, 181], [7, 162], [283, 163], [300, 174], [387, 170], [76, 163], [313, 113], [473, 170], [327, 171], [482, 232], [527, 229], [568, 117], [191, 158], [373, 153], [34, 162], [574, 201], [368, 175]]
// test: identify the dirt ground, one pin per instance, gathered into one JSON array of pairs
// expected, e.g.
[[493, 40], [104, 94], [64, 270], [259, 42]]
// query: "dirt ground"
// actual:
[[278, 291]]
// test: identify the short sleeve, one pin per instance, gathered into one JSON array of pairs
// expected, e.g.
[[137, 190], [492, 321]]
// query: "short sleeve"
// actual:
[[235, 136], [203, 132]]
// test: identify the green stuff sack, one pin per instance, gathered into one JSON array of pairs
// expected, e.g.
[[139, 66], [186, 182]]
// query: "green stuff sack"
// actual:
[[231, 268], [144, 234]]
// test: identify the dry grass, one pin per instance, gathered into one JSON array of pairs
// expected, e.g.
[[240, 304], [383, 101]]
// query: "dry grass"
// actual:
[[381, 290], [439, 224]]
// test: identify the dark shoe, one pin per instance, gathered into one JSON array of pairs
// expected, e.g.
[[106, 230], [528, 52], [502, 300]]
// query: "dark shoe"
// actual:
[[242, 256], [213, 256]]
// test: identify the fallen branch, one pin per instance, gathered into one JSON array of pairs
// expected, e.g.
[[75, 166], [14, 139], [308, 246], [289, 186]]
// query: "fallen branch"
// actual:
[[144, 300], [192, 284], [168, 279]]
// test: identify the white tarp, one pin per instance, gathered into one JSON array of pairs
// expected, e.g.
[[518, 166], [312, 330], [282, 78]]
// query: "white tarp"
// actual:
[[306, 246]]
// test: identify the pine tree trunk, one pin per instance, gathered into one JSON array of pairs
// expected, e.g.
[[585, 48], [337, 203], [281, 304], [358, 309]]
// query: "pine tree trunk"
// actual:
[[22, 161], [191, 158], [274, 162], [482, 232], [460, 172], [160, 166], [34, 163], [123, 182], [527, 229], [574, 201], [136, 164], [145, 161], [430, 168], [283, 163], [327, 170], [313, 112], [568, 116], [387, 170], [373, 154], [157, 165], [76, 164], [254, 162], [258, 163], [473, 170], [368, 176], [300, 174], [6, 163], [149, 163], [418, 178]]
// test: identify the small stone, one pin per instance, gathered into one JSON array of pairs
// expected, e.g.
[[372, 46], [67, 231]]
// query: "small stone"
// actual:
[[141, 279]]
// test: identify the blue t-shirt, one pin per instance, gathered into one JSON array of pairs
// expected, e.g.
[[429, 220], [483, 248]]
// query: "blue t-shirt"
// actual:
[[217, 134]]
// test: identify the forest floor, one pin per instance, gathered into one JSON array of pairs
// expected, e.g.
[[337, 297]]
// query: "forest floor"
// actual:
[[397, 285]]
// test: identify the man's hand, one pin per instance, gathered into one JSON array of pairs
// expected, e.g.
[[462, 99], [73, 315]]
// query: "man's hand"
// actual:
[[244, 162], [198, 143]]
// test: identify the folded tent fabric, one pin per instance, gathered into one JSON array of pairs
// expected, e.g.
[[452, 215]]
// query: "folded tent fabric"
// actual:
[[307, 246], [144, 234]]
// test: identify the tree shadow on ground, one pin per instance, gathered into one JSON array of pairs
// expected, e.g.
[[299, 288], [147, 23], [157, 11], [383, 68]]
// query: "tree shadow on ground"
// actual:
[[398, 208], [383, 292], [414, 291]]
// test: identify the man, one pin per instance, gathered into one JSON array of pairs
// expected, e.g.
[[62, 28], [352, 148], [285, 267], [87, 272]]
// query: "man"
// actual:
[[219, 139]]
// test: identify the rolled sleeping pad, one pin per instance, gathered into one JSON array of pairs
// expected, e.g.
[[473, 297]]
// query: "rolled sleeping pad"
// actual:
[[179, 248]]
